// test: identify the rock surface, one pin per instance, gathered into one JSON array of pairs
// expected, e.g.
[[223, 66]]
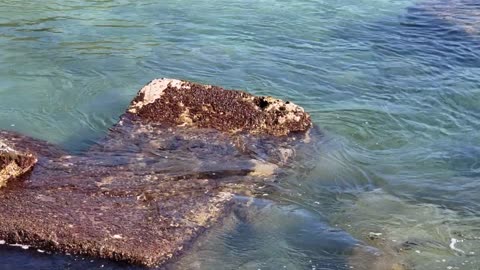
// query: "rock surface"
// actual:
[[14, 164], [464, 15], [164, 174], [203, 106]]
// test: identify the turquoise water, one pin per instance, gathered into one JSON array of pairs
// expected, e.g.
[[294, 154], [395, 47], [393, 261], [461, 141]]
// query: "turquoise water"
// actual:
[[394, 85]]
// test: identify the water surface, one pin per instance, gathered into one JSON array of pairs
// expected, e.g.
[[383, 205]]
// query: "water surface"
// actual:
[[394, 85]]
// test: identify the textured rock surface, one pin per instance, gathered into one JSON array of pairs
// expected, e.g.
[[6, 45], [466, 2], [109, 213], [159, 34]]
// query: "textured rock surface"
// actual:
[[14, 164], [165, 173], [184, 103]]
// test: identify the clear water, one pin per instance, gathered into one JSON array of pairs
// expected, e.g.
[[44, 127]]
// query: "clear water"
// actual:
[[394, 84]]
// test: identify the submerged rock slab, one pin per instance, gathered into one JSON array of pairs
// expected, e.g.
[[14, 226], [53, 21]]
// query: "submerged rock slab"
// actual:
[[14, 164], [164, 174]]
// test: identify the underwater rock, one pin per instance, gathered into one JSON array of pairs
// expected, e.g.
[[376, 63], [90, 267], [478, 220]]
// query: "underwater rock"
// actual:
[[164, 174], [463, 14], [206, 106]]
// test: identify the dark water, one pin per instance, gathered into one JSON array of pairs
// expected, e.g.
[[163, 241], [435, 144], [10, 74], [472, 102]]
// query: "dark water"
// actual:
[[395, 86]]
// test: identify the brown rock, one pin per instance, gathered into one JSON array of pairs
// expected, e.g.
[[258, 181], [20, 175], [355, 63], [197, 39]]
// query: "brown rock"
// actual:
[[13, 164], [184, 103], [164, 174]]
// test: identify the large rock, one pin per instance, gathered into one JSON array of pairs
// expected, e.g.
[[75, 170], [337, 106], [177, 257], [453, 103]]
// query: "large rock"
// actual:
[[204, 106], [164, 174]]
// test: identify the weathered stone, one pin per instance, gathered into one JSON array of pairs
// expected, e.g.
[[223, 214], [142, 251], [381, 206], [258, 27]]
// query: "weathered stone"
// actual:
[[13, 164], [164, 174], [184, 103]]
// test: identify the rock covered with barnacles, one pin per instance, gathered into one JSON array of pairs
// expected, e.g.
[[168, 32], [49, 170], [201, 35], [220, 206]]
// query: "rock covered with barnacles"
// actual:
[[164, 174], [206, 106], [14, 163]]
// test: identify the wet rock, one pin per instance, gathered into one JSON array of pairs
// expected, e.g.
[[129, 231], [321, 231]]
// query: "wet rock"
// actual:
[[164, 174], [14, 164], [184, 103]]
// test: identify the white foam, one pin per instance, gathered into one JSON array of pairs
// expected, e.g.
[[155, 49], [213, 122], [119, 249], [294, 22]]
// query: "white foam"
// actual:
[[452, 245], [20, 246]]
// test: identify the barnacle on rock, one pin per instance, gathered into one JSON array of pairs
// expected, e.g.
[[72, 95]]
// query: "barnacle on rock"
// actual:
[[164, 174]]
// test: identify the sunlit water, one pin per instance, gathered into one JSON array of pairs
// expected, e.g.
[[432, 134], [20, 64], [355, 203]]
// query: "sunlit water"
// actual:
[[394, 85]]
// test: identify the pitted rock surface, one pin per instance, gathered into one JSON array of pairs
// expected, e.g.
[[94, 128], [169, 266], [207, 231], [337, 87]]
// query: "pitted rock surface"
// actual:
[[164, 174], [184, 103], [13, 163]]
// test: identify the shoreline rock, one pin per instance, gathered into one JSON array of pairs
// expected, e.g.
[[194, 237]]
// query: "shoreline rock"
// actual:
[[206, 106], [14, 164], [163, 175]]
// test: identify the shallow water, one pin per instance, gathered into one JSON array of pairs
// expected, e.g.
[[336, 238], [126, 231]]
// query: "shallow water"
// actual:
[[394, 85]]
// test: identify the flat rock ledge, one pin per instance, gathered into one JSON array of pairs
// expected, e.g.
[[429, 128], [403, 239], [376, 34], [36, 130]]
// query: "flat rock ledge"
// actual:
[[163, 175]]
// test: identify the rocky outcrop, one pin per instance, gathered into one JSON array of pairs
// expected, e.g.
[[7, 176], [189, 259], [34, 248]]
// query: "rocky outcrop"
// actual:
[[164, 174], [13, 164], [204, 106]]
